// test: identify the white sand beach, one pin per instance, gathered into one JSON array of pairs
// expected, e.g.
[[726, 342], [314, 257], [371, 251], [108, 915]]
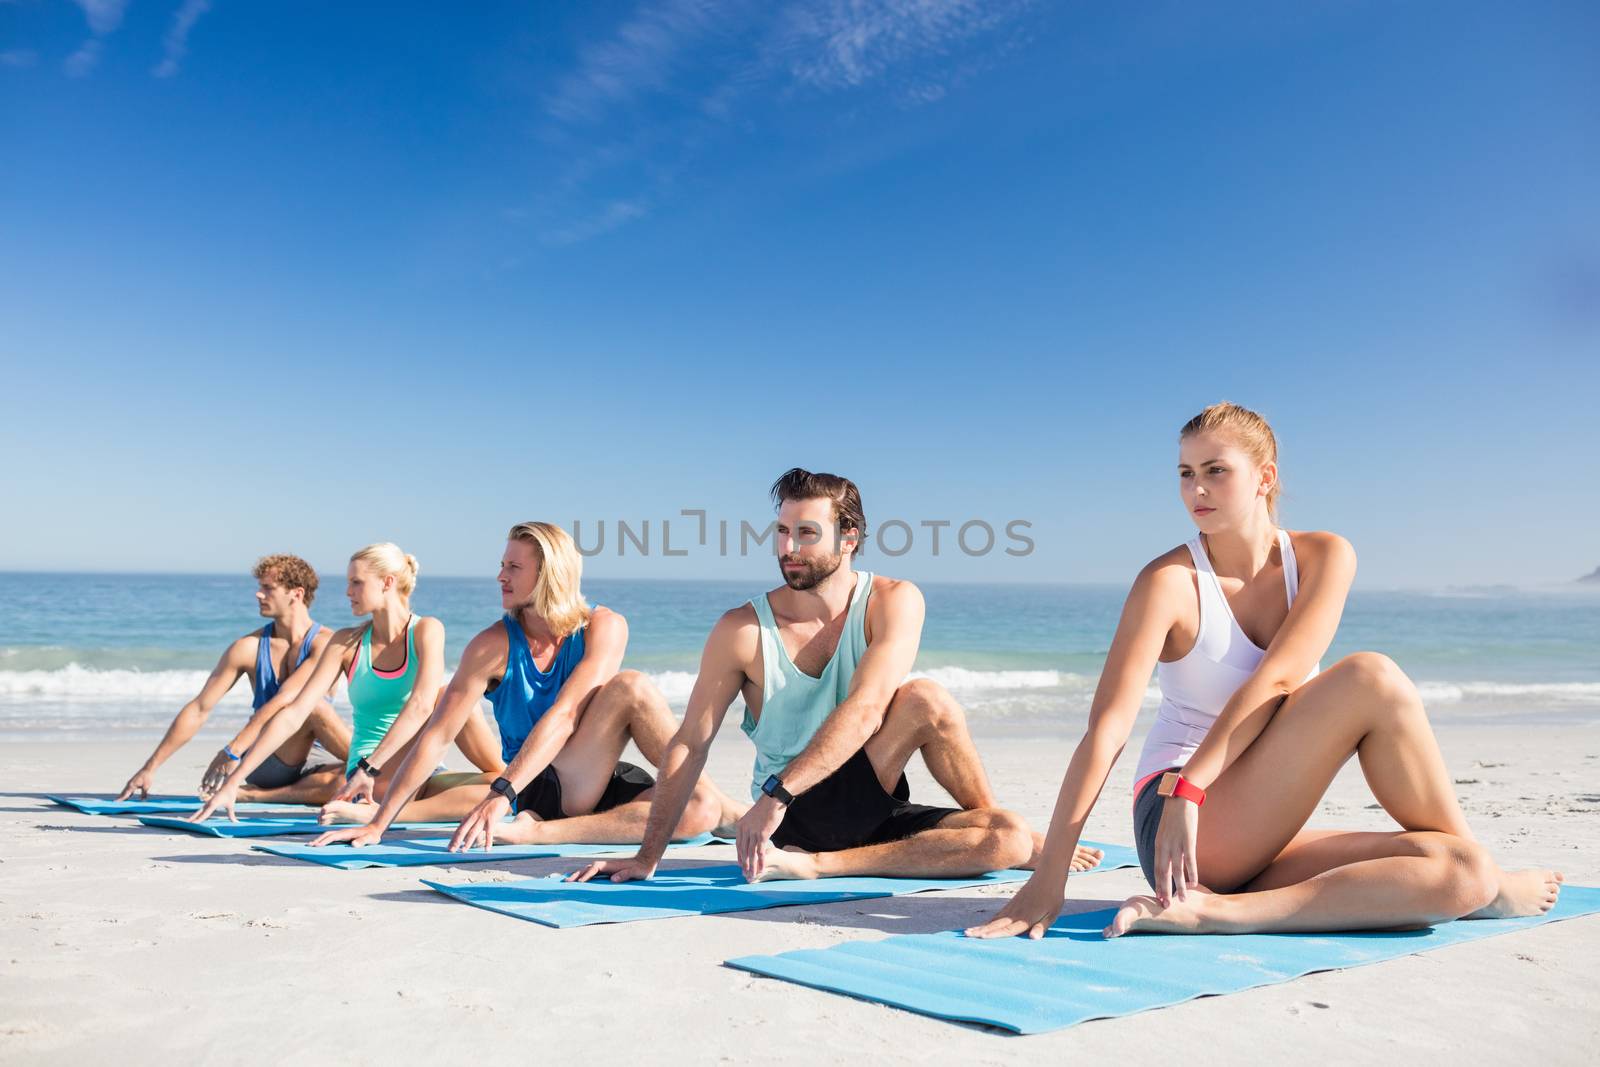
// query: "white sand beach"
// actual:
[[136, 945]]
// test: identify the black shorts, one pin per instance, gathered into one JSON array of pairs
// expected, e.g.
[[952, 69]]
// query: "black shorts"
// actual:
[[849, 809], [542, 796]]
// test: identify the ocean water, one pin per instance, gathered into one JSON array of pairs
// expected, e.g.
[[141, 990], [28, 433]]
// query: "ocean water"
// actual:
[[118, 654]]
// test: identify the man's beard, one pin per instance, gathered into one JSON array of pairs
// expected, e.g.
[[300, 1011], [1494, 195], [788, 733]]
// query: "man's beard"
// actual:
[[813, 571]]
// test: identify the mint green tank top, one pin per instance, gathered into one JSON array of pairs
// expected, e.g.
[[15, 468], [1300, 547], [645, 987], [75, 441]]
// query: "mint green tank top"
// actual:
[[794, 704], [376, 697]]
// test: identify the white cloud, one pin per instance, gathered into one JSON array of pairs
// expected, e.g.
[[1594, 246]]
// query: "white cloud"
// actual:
[[81, 62], [615, 214], [18, 57], [176, 41], [103, 15], [840, 44], [639, 58]]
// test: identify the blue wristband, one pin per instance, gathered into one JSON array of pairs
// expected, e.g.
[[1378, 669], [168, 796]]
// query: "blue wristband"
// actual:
[[227, 750]]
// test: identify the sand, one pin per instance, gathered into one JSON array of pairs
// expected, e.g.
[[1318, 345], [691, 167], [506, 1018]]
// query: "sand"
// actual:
[[125, 944]]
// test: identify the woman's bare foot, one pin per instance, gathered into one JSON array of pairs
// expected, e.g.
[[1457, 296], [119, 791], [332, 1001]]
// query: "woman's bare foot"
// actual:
[[1531, 892], [781, 864], [1086, 859], [1145, 915], [337, 811]]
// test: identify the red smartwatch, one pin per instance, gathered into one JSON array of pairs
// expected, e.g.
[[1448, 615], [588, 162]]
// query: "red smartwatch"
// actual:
[[1174, 784]]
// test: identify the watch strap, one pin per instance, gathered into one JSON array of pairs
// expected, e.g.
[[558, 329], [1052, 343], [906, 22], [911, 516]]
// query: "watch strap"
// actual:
[[1174, 784]]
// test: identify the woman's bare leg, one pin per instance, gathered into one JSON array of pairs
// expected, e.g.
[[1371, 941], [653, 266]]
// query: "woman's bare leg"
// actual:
[[1255, 812]]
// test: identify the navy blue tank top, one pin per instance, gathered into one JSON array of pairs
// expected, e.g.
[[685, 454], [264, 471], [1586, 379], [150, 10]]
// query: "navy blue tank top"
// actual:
[[266, 676], [526, 692]]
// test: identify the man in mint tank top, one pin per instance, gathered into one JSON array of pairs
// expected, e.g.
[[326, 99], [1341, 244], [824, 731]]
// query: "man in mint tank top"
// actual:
[[288, 643], [550, 669], [821, 662]]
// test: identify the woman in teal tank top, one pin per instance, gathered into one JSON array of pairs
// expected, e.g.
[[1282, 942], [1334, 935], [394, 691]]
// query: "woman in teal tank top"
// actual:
[[394, 667]]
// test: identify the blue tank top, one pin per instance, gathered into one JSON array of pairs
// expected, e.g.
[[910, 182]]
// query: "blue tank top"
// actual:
[[526, 692], [266, 675]]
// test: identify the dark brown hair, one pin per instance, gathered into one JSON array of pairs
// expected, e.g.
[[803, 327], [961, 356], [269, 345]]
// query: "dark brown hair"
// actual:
[[291, 572], [797, 483]]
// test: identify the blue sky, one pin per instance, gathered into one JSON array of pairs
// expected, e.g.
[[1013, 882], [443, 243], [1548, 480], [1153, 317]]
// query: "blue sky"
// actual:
[[304, 275]]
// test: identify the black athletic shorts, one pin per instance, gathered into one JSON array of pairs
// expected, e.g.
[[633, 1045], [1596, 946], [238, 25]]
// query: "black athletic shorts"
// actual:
[[542, 796], [849, 809]]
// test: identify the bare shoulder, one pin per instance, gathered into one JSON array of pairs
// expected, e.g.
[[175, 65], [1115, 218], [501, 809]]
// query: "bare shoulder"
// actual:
[[1170, 572], [1321, 548], [488, 649], [603, 620], [349, 637], [242, 651], [737, 633], [892, 591]]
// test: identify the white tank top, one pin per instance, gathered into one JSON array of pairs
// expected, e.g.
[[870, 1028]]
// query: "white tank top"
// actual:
[[1195, 689]]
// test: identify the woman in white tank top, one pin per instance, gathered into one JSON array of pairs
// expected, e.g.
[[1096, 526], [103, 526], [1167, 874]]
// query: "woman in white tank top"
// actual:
[[1249, 735]]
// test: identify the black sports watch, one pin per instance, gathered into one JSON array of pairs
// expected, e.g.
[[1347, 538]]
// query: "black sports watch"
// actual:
[[363, 765], [504, 788], [773, 787]]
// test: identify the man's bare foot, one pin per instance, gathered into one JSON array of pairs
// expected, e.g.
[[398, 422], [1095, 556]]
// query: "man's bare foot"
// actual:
[[784, 864], [1532, 892], [526, 829], [337, 811], [727, 827], [1145, 915]]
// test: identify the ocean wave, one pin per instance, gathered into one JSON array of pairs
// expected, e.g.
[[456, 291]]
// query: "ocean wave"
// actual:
[[1541, 692], [75, 682]]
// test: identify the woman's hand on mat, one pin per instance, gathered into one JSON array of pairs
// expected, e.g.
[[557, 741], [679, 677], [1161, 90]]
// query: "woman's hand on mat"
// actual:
[[216, 773], [756, 828], [479, 824], [633, 869], [224, 798], [139, 783], [1030, 912], [356, 788], [1176, 866], [354, 836]]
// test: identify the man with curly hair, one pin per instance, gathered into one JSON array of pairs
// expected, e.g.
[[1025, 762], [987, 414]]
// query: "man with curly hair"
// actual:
[[289, 643]]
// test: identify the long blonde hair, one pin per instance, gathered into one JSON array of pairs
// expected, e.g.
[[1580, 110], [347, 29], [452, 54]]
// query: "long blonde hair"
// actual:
[[556, 595], [385, 559], [1246, 429]]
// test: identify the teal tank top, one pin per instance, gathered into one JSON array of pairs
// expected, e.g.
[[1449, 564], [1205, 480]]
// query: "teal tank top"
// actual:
[[794, 704], [376, 697]]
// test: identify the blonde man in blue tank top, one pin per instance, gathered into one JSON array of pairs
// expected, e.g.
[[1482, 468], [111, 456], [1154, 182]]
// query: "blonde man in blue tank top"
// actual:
[[1250, 734], [551, 669], [821, 663]]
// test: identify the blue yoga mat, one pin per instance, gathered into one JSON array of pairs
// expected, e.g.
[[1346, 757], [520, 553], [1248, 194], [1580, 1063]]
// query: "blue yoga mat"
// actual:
[[699, 891], [426, 851], [269, 827], [1074, 974], [103, 804]]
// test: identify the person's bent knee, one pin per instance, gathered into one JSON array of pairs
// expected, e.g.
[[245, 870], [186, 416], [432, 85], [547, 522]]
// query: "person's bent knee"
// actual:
[[1466, 876], [1010, 841], [700, 815], [1474, 878], [1377, 674], [633, 686], [930, 700]]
